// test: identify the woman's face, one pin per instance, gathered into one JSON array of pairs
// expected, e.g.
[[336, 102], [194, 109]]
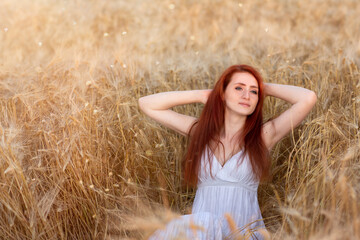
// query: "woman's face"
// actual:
[[241, 94]]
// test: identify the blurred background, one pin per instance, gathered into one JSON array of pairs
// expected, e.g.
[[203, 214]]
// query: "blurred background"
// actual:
[[80, 161]]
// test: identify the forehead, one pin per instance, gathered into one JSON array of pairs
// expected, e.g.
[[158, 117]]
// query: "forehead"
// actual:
[[244, 78]]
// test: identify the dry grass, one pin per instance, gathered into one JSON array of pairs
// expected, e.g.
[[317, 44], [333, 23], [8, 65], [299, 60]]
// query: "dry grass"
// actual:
[[78, 159]]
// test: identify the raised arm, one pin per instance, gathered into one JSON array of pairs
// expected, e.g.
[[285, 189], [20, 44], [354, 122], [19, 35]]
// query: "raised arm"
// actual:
[[302, 100], [157, 106]]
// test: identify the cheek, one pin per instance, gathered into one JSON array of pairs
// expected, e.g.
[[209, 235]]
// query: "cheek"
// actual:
[[256, 99], [229, 97]]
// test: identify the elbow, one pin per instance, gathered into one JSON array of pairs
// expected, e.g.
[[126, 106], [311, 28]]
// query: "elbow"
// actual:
[[141, 103], [312, 98]]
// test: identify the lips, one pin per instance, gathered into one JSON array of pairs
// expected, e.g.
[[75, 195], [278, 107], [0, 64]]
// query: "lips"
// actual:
[[245, 104]]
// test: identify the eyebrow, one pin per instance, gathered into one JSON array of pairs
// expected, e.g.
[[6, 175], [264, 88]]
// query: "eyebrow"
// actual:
[[242, 84]]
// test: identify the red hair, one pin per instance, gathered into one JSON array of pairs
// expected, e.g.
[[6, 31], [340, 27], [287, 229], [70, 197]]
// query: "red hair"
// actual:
[[211, 122]]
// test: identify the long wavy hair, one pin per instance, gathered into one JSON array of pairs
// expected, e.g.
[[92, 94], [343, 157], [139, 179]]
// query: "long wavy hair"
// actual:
[[207, 129]]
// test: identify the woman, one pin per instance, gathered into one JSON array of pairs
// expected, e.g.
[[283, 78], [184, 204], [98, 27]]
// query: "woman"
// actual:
[[228, 151]]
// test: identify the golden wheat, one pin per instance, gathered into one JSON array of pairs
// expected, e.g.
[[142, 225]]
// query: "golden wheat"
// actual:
[[78, 159]]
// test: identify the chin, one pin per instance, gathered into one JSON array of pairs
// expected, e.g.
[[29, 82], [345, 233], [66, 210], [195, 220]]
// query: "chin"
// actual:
[[242, 112]]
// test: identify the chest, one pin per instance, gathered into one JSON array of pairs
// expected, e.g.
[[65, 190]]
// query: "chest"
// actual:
[[225, 151], [236, 169]]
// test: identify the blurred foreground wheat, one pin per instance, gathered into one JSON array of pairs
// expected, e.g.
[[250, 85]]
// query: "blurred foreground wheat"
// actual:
[[78, 159]]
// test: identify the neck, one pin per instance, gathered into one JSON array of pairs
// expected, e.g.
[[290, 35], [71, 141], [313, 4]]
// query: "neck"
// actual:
[[233, 125]]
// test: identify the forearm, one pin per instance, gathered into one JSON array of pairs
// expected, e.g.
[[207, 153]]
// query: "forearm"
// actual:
[[166, 100], [291, 94]]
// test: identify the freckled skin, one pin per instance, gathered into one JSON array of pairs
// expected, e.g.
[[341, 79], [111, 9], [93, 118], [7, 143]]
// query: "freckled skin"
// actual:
[[243, 88]]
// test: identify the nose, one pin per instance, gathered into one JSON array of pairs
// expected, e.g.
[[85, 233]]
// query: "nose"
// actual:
[[246, 94]]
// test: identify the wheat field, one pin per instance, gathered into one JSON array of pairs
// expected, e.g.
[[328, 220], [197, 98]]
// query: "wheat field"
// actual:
[[80, 161]]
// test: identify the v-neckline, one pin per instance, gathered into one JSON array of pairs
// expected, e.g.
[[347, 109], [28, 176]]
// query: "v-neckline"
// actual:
[[223, 165]]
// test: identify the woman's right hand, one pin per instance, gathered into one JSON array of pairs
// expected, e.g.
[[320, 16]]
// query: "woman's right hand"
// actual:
[[205, 95], [158, 107]]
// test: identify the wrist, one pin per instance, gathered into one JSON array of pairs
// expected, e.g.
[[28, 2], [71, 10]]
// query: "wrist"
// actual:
[[204, 95], [266, 89]]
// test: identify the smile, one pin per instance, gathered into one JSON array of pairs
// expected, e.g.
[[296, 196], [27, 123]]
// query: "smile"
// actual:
[[244, 104]]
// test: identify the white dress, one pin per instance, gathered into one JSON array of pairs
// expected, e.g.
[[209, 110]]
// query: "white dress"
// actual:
[[231, 190]]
